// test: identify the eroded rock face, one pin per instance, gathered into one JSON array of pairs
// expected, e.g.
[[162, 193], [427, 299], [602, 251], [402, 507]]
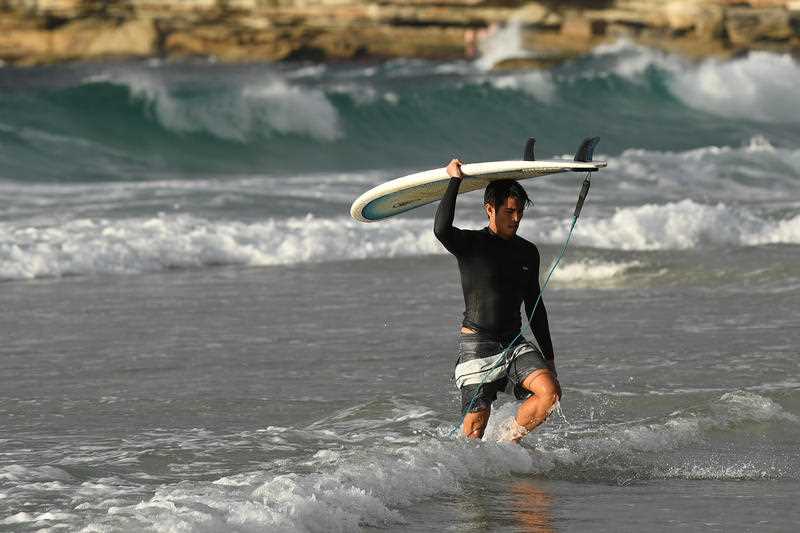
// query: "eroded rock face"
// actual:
[[748, 26], [41, 31]]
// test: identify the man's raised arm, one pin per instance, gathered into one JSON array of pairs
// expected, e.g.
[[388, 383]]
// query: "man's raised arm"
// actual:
[[443, 228]]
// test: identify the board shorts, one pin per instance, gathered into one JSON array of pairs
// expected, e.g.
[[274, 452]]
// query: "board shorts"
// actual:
[[484, 368]]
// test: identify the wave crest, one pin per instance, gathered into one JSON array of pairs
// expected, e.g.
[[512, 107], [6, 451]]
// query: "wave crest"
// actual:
[[760, 86], [682, 225], [272, 106], [101, 246], [135, 245]]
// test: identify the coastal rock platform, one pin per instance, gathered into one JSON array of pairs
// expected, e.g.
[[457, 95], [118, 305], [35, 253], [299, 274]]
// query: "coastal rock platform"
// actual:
[[48, 31]]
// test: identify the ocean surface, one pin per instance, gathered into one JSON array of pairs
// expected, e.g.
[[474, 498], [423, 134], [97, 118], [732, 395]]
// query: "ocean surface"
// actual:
[[196, 336]]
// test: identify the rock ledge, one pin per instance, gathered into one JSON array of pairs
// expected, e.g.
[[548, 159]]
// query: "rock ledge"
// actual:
[[48, 31]]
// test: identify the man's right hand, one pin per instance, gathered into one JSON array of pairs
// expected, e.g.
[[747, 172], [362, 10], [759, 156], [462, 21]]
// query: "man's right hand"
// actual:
[[454, 169]]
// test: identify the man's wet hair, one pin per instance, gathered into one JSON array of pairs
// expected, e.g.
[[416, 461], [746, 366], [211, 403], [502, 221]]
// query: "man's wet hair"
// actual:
[[497, 192]]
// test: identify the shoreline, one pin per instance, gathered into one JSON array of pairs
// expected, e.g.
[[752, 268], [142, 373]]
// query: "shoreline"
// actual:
[[44, 32]]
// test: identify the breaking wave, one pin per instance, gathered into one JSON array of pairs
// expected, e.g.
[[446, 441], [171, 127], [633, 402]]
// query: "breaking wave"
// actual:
[[367, 479], [247, 113], [190, 119], [683, 225], [164, 242], [592, 270], [759, 86]]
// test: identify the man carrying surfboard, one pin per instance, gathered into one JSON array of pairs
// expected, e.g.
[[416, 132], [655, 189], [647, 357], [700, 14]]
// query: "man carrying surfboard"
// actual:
[[499, 271]]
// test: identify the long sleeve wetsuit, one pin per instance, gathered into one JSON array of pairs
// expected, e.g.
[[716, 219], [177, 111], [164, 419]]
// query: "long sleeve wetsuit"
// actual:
[[497, 275]]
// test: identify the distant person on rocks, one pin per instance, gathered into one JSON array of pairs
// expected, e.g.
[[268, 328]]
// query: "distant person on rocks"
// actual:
[[499, 271]]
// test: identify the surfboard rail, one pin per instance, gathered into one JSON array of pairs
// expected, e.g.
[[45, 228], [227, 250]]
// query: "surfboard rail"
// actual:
[[414, 190]]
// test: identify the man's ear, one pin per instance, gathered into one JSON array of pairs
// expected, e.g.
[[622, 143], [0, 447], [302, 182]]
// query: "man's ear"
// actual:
[[489, 210]]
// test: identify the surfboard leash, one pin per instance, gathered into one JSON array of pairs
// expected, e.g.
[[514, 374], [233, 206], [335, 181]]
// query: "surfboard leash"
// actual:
[[504, 360]]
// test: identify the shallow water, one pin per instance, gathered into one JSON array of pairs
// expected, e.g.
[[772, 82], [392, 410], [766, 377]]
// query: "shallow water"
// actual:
[[197, 337], [294, 405]]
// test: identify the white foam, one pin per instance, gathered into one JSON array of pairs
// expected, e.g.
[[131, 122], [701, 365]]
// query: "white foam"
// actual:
[[19, 518], [756, 170], [631, 61], [345, 487], [718, 469], [363, 94], [272, 105], [738, 406], [501, 43], [20, 473], [760, 86], [92, 246], [367, 490], [591, 270], [680, 225], [290, 109], [506, 43], [135, 245], [372, 487], [536, 83]]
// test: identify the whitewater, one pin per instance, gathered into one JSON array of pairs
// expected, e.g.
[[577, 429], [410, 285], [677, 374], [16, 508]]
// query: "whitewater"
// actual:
[[197, 337]]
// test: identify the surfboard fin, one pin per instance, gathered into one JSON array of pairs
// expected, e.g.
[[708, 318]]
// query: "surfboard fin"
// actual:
[[586, 150], [529, 155]]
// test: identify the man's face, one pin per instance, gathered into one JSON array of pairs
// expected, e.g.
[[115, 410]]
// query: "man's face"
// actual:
[[505, 220]]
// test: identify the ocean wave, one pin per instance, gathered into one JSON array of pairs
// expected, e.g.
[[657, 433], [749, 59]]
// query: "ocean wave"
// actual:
[[164, 242], [757, 87], [192, 121], [755, 170], [731, 411], [760, 86], [503, 43], [592, 270], [258, 109], [368, 465], [682, 225], [31, 474], [102, 246], [631, 61], [371, 483], [539, 84], [365, 490]]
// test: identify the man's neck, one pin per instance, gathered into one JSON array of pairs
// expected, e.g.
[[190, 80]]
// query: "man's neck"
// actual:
[[493, 231]]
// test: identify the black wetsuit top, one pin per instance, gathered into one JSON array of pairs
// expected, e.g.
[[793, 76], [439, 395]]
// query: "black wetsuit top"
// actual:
[[497, 275]]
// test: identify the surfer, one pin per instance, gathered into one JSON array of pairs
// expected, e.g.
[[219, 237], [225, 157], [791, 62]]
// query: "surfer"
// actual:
[[499, 271]]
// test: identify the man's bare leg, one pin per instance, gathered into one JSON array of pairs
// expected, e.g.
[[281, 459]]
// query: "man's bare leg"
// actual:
[[535, 410], [475, 424]]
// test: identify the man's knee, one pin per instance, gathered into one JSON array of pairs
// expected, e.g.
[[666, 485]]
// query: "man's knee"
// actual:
[[544, 387]]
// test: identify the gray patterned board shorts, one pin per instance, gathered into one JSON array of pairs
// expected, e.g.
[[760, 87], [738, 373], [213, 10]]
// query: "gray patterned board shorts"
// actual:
[[485, 368]]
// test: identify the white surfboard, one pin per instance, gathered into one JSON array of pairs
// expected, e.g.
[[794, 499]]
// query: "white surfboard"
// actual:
[[406, 193]]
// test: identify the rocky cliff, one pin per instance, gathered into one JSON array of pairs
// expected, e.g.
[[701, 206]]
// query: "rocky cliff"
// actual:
[[45, 31]]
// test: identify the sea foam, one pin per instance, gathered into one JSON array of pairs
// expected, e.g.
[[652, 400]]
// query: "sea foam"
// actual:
[[760, 86], [92, 246], [592, 270], [682, 225], [373, 485], [164, 242]]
